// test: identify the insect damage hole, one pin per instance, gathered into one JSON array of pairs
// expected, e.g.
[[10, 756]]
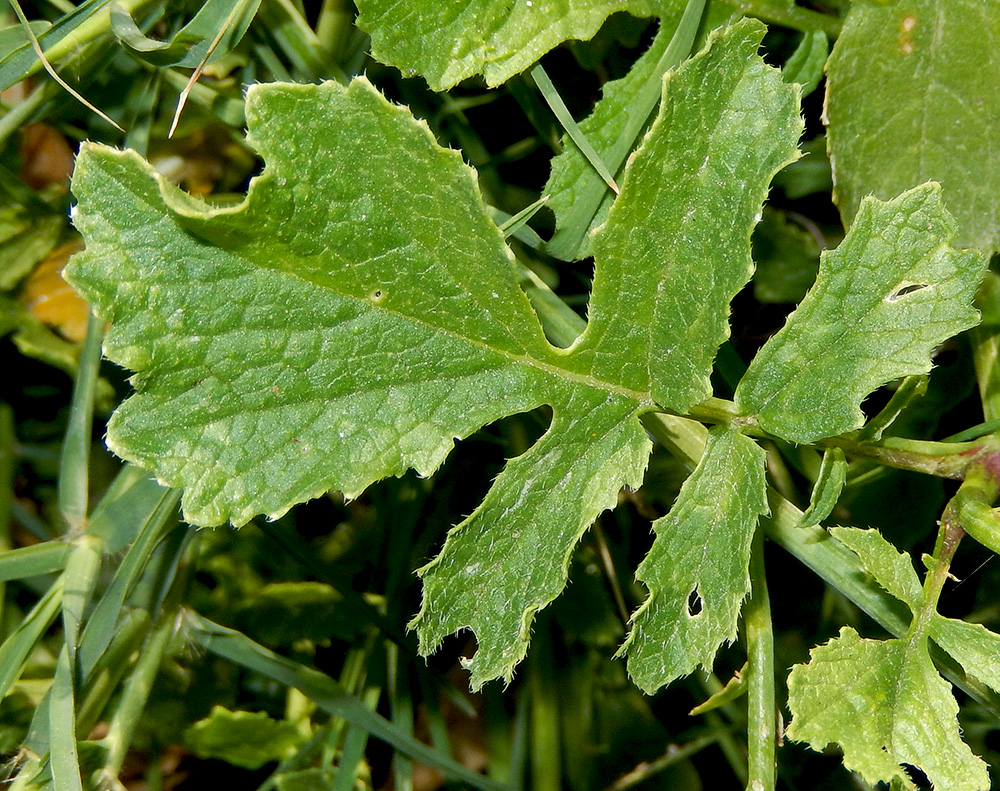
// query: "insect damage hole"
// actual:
[[905, 288], [694, 603], [377, 295]]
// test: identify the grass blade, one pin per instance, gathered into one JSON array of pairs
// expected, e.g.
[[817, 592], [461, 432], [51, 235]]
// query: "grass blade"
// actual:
[[63, 757], [33, 561], [762, 710], [561, 112], [567, 239], [75, 460], [325, 692], [18, 646], [104, 620]]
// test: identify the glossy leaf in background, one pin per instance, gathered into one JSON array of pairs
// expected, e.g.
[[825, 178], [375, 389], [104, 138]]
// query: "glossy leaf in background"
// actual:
[[913, 96]]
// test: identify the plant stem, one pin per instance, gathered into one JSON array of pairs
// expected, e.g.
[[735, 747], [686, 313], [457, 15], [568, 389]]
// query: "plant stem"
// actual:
[[761, 708]]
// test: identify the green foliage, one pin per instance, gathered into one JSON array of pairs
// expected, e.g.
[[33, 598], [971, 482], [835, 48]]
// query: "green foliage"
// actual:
[[886, 705], [697, 571], [494, 38], [890, 293], [357, 328], [242, 738], [908, 103]]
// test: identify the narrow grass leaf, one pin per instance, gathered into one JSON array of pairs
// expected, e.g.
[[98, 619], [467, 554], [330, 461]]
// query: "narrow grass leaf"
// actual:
[[580, 200], [326, 693], [892, 291], [74, 461], [20, 643], [50, 69], [126, 508], [103, 621], [132, 700], [566, 120], [60, 39], [213, 32], [33, 561], [82, 569], [64, 758], [513, 224]]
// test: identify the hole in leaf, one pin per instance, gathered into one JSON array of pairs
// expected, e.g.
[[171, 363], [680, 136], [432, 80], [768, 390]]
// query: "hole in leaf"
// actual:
[[694, 603], [906, 288], [377, 295], [917, 775]]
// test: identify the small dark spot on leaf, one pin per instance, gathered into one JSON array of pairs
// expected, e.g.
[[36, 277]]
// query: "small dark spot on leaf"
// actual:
[[909, 288]]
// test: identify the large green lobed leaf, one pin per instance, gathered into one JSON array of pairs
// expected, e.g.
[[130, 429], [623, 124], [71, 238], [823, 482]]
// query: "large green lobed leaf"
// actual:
[[447, 42], [913, 95], [340, 325]]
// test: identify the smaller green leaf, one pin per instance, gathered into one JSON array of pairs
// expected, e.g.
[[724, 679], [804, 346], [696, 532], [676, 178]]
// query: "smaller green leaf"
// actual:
[[697, 571], [242, 738], [735, 688], [892, 291], [281, 613], [892, 569], [218, 26], [805, 66], [447, 42], [511, 557], [911, 389], [885, 705], [972, 645], [826, 490]]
